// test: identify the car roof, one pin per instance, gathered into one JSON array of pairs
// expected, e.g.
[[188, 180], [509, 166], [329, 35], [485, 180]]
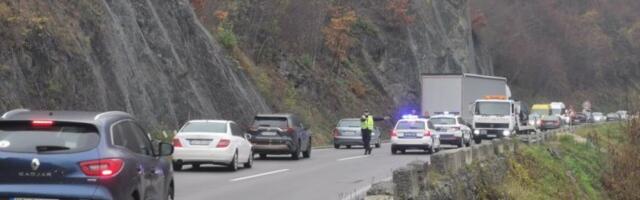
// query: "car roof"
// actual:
[[275, 115], [413, 120], [445, 116], [67, 116], [209, 120], [349, 119]]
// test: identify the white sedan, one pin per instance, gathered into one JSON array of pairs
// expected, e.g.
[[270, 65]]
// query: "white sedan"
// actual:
[[216, 142]]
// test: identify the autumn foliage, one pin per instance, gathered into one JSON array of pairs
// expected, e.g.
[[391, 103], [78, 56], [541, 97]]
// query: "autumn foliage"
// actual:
[[337, 36], [398, 10]]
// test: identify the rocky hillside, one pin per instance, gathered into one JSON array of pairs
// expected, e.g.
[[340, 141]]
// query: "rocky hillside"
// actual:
[[169, 61], [150, 58], [332, 59], [569, 50]]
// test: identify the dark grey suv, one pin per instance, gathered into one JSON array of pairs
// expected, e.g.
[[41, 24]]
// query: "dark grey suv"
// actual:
[[81, 155], [280, 134]]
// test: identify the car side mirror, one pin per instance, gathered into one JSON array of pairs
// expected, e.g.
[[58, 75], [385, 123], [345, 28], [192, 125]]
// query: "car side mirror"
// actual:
[[166, 149], [247, 136]]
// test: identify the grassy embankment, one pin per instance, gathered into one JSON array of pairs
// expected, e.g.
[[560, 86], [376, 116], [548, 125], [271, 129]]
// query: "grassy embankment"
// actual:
[[600, 162]]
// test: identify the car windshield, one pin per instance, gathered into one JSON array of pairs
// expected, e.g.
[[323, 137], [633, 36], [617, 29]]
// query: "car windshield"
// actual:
[[443, 120], [556, 111], [349, 123], [59, 137], [493, 108], [208, 127], [276, 122], [417, 125]]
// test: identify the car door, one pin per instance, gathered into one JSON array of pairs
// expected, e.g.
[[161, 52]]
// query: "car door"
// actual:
[[244, 149], [145, 162]]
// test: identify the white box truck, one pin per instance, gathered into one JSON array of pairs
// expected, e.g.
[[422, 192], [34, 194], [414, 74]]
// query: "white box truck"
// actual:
[[470, 96]]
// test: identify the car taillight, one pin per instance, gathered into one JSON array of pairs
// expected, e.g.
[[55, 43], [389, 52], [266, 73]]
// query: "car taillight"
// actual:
[[102, 168], [253, 129], [427, 133], [335, 132], [176, 142], [41, 123], [223, 143], [394, 133], [290, 130]]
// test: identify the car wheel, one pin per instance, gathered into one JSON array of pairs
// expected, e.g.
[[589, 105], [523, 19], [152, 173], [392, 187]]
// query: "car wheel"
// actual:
[[461, 143], [263, 155], [307, 153], [234, 162], [378, 145], [177, 166], [337, 146], [393, 151], [296, 154], [477, 140], [402, 151], [249, 162], [348, 146], [195, 166]]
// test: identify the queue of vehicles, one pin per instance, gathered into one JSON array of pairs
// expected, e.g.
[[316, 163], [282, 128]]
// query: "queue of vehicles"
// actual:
[[88, 155]]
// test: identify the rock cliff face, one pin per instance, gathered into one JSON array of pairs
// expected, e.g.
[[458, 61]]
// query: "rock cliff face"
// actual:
[[151, 58], [169, 61], [331, 59]]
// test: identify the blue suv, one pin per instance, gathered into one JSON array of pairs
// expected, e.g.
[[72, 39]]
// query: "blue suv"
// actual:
[[81, 155]]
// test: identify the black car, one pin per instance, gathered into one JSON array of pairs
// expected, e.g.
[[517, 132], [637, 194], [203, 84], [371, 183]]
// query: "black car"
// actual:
[[280, 134], [580, 118], [81, 155]]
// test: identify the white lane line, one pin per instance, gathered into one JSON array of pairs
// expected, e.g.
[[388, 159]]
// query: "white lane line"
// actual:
[[361, 193], [351, 158], [258, 175]]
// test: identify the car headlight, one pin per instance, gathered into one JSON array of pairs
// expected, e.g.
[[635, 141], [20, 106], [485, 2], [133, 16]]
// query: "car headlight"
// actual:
[[476, 132], [506, 132]]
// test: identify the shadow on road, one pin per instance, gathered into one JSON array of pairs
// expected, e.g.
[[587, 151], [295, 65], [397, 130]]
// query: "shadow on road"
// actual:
[[208, 169]]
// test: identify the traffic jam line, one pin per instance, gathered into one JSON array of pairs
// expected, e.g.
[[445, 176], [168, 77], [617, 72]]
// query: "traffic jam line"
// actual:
[[259, 175], [354, 157]]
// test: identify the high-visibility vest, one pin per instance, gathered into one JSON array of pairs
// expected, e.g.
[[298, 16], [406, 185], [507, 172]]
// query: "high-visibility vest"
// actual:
[[367, 123]]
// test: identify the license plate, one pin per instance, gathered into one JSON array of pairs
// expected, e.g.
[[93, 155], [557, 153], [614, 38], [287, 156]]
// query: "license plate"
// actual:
[[269, 133], [410, 134], [348, 133], [491, 136], [199, 142]]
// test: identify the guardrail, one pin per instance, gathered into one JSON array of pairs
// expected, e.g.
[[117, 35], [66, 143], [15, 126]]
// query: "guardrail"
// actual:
[[411, 181]]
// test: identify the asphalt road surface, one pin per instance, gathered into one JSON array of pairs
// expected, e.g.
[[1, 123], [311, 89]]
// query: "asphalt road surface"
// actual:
[[328, 174]]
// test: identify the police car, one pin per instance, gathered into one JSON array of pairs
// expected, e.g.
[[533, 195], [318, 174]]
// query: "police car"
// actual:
[[452, 129], [412, 132]]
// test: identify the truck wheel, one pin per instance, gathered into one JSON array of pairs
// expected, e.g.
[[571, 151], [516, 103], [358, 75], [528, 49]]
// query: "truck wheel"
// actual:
[[337, 146]]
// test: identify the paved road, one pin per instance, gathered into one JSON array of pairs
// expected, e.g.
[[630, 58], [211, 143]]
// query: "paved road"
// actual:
[[328, 174]]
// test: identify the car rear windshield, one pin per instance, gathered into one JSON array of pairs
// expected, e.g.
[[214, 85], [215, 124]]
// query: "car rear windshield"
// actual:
[[59, 137], [443, 121], [403, 125], [349, 123], [276, 122], [208, 127]]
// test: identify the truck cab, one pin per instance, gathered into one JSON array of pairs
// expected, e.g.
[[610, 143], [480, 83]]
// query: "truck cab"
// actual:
[[498, 116]]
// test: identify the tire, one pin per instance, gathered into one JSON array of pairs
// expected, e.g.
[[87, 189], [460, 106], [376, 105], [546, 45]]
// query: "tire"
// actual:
[[461, 144], [402, 151], [296, 154], [263, 155], [307, 153], [249, 162], [348, 146], [234, 163], [378, 145], [337, 146], [477, 140], [195, 166], [177, 166], [394, 151]]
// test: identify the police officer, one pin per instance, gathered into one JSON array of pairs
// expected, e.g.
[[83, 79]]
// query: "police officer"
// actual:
[[367, 126]]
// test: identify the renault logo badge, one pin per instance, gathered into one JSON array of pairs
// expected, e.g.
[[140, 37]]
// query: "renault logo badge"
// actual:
[[35, 164]]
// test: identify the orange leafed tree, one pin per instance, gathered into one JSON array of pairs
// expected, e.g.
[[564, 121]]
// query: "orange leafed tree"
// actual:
[[399, 9], [336, 33]]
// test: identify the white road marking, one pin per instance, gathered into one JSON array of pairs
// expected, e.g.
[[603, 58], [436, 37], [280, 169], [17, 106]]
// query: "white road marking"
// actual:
[[351, 158], [360, 193], [258, 175]]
